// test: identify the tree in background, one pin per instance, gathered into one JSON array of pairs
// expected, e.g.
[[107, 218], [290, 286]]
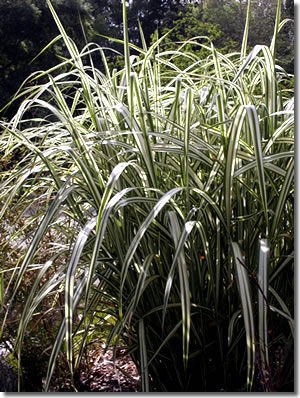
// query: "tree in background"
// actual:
[[286, 40], [26, 27], [222, 22], [190, 24], [229, 16], [153, 14]]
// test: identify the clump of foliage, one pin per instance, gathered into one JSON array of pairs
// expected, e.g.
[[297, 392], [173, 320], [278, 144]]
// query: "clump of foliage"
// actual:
[[171, 194]]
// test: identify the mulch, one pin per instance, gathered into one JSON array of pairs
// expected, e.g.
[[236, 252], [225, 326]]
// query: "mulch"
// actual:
[[102, 373]]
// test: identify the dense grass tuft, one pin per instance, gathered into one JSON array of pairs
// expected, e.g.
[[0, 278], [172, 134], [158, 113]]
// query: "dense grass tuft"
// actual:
[[169, 197]]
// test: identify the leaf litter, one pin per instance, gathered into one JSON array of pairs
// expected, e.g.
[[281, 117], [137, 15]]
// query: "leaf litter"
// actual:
[[104, 373]]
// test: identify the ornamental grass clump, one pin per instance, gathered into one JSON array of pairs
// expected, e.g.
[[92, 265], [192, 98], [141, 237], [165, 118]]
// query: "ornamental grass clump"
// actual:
[[169, 197]]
